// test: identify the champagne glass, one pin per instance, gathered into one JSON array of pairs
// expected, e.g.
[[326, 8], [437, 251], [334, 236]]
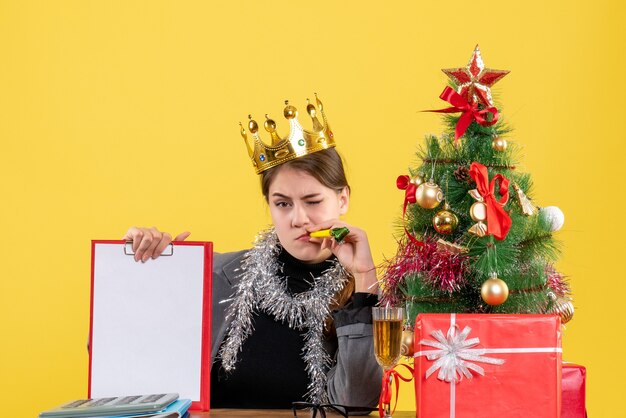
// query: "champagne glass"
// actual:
[[388, 323]]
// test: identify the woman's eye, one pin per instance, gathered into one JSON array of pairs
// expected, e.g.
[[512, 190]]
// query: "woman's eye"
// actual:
[[281, 204], [314, 202]]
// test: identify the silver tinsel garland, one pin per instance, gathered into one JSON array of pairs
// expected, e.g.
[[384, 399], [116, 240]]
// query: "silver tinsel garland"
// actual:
[[261, 289]]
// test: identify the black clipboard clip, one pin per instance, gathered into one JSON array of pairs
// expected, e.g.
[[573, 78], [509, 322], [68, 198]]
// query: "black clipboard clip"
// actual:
[[167, 252]]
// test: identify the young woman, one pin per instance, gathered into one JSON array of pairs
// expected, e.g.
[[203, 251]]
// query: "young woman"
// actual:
[[291, 316]]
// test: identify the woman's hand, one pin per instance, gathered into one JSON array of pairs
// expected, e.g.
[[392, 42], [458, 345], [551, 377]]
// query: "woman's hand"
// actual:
[[353, 253], [150, 242]]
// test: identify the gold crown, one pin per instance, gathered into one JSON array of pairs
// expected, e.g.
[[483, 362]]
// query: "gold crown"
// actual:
[[298, 143]]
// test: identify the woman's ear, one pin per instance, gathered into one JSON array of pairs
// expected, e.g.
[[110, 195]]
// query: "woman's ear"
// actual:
[[344, 200]]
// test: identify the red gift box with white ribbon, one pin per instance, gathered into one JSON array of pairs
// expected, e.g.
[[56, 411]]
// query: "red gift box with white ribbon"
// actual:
[[487, 365]]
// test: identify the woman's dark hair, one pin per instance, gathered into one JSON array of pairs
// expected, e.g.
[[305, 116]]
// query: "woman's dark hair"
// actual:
[[325, 166]]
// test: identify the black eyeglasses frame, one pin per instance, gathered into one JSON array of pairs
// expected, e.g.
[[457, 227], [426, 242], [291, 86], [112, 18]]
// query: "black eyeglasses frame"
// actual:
[[342, 410]]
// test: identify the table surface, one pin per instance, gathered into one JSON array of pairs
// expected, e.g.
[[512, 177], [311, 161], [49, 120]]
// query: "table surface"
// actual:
[[242, 413]]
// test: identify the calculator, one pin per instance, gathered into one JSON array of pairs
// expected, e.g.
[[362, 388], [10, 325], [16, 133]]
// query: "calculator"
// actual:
[[121, 405]]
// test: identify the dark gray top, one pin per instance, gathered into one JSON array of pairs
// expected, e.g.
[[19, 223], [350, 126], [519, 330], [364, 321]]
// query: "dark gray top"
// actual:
[[354, 379]]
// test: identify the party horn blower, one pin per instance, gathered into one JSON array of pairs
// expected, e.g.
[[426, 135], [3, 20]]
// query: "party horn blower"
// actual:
[[337, 233]]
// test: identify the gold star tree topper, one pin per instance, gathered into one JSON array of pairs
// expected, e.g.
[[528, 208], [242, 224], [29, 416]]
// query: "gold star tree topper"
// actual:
[[474, 80]]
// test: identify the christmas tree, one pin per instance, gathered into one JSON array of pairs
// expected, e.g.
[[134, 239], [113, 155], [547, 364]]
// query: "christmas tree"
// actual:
[[472, 239]]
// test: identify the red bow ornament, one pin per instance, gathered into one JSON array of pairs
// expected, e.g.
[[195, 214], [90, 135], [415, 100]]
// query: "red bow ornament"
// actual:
[[469, 112], [404, 183], [487, 206]]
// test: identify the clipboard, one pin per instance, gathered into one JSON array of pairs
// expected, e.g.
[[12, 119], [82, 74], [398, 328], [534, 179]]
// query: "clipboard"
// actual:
[[150, 323]]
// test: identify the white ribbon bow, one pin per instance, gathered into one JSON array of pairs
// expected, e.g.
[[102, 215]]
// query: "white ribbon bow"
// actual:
[[454, 355]]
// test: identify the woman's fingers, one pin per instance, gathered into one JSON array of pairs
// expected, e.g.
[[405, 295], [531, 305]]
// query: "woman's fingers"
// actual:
[[353, 253], [326, 243], [150, 242], [151, 238], [182, 236], [161, 245], [166, 240], [135, 235]]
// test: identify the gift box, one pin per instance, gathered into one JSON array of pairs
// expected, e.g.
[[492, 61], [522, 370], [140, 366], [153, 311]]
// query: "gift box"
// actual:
[[487, 366], [573, 391]]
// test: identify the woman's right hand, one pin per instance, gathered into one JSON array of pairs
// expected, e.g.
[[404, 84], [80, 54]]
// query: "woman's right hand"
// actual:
[[150, 242]]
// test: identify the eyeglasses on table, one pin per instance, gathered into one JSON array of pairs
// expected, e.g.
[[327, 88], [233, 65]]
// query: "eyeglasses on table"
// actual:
[[319, 410]]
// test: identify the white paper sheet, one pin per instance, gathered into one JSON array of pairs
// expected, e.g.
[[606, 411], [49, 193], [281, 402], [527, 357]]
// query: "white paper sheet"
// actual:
[[147, 323]]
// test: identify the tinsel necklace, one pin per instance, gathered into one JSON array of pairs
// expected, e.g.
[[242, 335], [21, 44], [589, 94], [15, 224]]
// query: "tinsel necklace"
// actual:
[[261, 289]]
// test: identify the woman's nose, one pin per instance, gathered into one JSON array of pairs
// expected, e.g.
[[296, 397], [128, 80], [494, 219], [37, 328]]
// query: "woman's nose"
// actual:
[[300, 216]]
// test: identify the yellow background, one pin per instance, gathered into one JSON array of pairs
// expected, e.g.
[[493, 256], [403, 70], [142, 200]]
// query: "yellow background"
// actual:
[[115, 113]]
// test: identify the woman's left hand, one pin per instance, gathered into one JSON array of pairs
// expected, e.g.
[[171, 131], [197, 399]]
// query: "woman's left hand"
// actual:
[[353, 253]]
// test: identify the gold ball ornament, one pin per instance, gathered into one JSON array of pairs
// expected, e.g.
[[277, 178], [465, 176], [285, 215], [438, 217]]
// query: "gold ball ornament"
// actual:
[[417, 180], [563, 307], [407, 349], [445, 221], [428, 195], [494, 291], [499, 144]]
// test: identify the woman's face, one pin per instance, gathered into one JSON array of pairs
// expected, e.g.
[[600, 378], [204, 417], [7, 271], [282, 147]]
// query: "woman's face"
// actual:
[[297, 201]]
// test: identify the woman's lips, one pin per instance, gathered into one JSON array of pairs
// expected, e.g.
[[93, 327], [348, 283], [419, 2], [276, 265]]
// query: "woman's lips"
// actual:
[[303, 237]]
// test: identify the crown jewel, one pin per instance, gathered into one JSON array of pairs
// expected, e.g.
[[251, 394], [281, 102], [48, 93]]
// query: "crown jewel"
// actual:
[[299, 142]]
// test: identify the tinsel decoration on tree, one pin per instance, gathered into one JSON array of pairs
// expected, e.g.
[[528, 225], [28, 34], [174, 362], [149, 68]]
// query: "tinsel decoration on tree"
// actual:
[[489, 249]]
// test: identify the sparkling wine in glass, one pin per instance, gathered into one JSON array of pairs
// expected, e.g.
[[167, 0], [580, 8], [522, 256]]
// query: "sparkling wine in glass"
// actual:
[[388, 323]]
